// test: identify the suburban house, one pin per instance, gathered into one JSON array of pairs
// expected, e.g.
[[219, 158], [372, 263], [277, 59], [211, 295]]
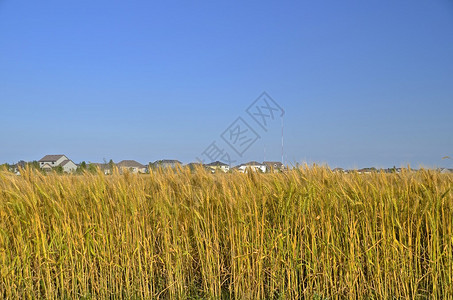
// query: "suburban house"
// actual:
[[21, 164], [105, 168], [366, 170], [339, 170], [15, 168], [132, 166], [218, 165], [445, 171], [253, 165], [166, 163], [275, 166], [48, 162], [194, 165]]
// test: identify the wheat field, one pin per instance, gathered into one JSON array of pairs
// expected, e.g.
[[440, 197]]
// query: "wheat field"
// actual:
[[307, 233]]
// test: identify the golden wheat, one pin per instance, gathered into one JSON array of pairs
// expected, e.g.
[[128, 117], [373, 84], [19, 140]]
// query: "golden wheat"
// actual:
[[306, 233]]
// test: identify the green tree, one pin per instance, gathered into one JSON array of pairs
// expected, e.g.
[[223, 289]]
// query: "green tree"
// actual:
[[34, 165], [81, 168], [111, 165], [59, 169], [92, 168]]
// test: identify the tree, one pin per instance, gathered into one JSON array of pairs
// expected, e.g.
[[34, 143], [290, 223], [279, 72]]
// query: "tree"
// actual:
[[59, 169], [34, 165], [92, 168], [108, 168], [81, 168]]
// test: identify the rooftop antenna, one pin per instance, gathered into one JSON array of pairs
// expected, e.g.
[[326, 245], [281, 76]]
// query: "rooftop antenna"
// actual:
[[264, 152]]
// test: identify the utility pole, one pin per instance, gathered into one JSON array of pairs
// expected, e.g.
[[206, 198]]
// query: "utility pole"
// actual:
[[282, 142]]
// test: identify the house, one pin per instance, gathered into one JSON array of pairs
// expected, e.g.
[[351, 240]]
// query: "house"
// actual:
[[21, 164], [48, 162], [253, 165], [105, 168], [194, 165], [166, 163], [366, 170], [132, 166], [339, 170], [16, 167], [218, 165], [276, 166], [68, 166], [445, 171]]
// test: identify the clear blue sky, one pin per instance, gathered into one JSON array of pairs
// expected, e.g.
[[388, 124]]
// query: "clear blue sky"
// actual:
[[363, 83]]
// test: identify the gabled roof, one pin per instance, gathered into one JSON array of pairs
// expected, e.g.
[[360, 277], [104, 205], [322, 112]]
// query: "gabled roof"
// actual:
[[167, 161], [47, 166], [51, 158], [367, 170], [21, 164], [249, 164], [217, 164], [130, 164], [252, 163], [192, 164], [63, 163], [101, 166]]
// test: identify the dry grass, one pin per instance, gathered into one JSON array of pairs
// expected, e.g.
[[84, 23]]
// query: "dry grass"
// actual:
[[308, 233]]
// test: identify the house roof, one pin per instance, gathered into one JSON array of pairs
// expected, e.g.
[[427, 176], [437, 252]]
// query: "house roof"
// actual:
[[21, 163], [367, 170], [51, 158], [217, 164], [194, 164], [252, 163], [167, 161], [130, 164], [47, 166], [272, 163], [63, 163], [338, 169], [249, 164], [102, 166]]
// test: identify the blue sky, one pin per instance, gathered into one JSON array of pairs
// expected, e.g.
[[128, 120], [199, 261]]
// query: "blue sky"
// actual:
[[363, 83]]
